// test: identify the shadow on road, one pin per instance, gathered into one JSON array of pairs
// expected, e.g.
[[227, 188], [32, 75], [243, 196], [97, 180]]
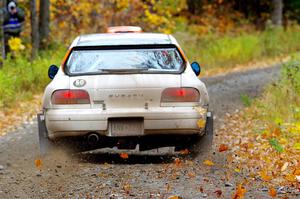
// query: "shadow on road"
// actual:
[[114, 158]]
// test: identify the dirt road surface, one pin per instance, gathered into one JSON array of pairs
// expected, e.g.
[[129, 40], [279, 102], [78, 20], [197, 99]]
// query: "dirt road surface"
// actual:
[[102, 175]]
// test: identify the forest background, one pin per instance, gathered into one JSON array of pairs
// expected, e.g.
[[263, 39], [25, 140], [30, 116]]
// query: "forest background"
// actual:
[[220, 34]]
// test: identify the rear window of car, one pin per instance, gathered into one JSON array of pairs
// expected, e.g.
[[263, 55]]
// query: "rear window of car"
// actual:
[[134, 60]]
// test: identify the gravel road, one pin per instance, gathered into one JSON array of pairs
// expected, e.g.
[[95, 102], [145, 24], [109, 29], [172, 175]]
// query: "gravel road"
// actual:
[[102, 175]]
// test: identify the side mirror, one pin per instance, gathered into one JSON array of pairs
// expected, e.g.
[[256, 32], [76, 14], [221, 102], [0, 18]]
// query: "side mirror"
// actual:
[[196, 68], [52, 71]]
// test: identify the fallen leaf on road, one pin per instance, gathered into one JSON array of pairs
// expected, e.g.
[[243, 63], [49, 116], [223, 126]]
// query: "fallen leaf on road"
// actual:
[[284, 167], [38, 163], [127, 188], [237, 170], [290, 178], [272, 192], [276, 132], [189, 163], [297, 172], [223, 148], [124, 155], [177, 162], [206, 180], [174, 197], [59, 188], [240, 192], [184, 152], [208, 163], [201, 123], [245, 146], [201, 189], [219, 193], [191, 174], [264, 176], [168, 188]]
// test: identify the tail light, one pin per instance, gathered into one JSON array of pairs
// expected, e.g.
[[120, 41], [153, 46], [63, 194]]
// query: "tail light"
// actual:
[[180, 95], [68, 96]]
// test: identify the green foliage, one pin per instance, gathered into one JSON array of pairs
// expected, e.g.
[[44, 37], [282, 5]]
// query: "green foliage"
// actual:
[[292, 8], [276, 145], [291, 75], [222, 51], [277, 41], [246, 100], [20, 78], [279, 108], [281, 100]]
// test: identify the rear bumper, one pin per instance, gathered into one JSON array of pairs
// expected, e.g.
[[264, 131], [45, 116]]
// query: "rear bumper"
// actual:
[[157, 121]]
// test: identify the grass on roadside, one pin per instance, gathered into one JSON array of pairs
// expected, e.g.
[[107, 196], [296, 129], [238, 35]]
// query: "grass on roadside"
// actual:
[[275, 133], [246, 100], [279, 109], [20, 79], [281, 101], [215, 51], [265, 138]]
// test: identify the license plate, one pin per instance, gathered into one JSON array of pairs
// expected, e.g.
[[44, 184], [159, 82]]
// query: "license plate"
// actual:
[[126, 127]]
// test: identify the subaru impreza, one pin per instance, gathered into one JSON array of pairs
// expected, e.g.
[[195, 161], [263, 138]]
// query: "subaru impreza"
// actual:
[[126, 91]]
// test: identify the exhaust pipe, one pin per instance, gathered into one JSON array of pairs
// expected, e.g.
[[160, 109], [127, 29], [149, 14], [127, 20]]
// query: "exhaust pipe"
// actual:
[[93, 139]]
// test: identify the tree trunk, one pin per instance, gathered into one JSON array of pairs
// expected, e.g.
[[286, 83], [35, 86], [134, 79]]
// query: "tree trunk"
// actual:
[[44, 20], [195, 6], [3, 53], [34, 29], [277, 12]]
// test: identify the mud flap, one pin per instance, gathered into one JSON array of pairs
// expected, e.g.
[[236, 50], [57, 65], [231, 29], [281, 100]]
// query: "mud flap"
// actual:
[[45, 143], [203, 144], [206, 140]]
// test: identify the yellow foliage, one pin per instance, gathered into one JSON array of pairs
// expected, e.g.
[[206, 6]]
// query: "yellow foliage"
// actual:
[[297, 146], [122, 4], [295, 128], [15, 44]]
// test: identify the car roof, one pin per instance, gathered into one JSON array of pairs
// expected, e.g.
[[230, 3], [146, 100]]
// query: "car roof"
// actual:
[[107, 39]]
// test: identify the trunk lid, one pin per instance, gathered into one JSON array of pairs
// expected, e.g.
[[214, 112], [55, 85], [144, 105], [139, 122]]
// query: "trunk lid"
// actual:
[[126, 90]]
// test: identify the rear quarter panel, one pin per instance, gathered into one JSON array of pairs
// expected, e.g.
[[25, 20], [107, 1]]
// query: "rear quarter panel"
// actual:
[[189, 79], [61, 81]]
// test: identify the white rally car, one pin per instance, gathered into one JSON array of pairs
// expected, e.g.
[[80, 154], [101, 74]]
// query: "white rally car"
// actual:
[[125, 91]]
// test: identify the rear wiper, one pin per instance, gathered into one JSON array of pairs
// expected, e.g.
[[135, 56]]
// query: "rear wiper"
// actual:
[[125, 70]]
